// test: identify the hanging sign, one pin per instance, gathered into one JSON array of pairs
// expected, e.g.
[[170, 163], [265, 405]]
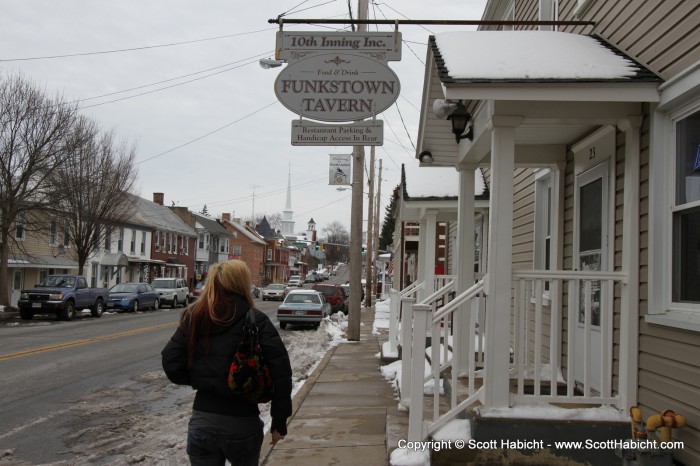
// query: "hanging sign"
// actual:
[[382, 46], [339, 169], [365, 133], [337, 87]]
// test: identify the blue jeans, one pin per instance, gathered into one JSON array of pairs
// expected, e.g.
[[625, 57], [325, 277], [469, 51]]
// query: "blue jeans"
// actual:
[[212, 439]]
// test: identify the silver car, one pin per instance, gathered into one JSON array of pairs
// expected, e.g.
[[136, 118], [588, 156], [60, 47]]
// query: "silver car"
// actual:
[[307, 307], [275, 291]]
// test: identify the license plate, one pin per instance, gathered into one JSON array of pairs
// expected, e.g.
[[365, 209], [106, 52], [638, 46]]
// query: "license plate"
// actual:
[[36, 305], [299, 313]]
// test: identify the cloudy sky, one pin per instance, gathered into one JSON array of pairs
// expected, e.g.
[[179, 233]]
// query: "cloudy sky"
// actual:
[[181, 80]]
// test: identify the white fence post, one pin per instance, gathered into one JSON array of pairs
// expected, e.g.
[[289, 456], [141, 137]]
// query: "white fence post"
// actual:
[[421, 314], [406, 345]]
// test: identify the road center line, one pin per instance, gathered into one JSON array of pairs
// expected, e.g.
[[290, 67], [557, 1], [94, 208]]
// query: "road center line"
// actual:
[[86, 341]]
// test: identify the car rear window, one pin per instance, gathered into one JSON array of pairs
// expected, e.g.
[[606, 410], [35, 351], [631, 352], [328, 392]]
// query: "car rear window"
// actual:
[[302, 298], [164, 284], [327, 291]]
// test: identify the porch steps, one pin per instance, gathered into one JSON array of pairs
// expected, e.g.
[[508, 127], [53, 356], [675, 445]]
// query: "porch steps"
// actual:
[[529, 432]]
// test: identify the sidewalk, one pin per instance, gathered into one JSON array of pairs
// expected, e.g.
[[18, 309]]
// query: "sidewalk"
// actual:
[[346, 413]]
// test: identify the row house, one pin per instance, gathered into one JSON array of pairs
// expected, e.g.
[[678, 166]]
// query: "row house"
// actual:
[[588, 137], [212, 241], [154, 242], [276, 254], [246, 245], [42, 253]]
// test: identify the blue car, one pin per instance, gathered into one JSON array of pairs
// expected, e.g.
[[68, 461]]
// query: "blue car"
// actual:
[[132, 297]]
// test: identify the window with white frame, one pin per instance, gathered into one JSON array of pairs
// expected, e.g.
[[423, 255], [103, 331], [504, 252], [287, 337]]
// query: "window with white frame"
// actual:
[[108, 238], [66, 233], [20, 227], [201, 241], [133, 242], [143, 243], [53, 233], [686, 211], [120, 241], [236, 251], [674, 205]]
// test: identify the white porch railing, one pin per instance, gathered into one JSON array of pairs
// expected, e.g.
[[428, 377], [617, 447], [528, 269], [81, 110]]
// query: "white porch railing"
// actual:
[[540, 346], [408, 332], [539, 335]]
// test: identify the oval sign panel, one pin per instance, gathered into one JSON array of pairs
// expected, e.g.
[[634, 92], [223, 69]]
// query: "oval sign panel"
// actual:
[[337, 87]]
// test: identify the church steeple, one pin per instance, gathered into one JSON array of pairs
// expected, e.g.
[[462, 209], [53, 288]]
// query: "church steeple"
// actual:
[[288, 213]]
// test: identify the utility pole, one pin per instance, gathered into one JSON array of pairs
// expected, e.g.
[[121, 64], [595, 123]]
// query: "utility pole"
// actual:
[[358, 162], [377, 218], [369, 254], [253, 214]]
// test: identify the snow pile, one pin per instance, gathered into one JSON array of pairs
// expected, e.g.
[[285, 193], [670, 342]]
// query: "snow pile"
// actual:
[[524, 55]]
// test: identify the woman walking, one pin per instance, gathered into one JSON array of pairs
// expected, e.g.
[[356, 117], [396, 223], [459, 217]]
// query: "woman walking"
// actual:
[[223, 426]]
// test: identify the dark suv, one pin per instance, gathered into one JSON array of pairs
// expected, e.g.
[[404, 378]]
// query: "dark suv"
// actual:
[[334, 295]]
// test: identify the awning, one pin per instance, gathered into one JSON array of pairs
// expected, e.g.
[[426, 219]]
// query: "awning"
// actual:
[[143, 260], [172, 262], [42, 262], [112, 259]]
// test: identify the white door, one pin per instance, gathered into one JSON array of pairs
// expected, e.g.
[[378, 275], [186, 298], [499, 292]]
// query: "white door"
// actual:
[[590, 253], [16, 286]]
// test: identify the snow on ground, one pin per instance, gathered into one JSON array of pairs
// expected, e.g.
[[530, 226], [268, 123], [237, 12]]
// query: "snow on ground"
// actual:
[[145, 422]]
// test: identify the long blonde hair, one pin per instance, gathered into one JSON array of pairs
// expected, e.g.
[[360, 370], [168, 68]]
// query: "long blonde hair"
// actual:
[[227, 282]]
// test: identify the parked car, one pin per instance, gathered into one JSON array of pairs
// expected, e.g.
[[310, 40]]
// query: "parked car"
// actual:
[[334, 295], [173, 291], [310, 278], [274, 291], [61, 295], [346, 289], [295, 281], [197, 291], [132, 297], [307, 307]]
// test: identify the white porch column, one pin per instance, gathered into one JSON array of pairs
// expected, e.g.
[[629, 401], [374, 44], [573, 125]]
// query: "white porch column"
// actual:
[[629, 305], [464, 264], [428, 265], [420, 268], [500, 265]]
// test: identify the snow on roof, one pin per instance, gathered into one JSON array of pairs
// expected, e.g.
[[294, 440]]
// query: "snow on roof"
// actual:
[[522, 55], [437, 181]]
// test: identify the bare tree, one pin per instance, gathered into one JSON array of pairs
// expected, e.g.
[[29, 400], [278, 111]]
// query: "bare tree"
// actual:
[[337, 241], [96, 181], [36, 133]]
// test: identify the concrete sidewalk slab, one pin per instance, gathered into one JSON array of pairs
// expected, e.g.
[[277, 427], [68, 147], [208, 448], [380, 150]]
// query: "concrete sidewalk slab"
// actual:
[[347, 412]]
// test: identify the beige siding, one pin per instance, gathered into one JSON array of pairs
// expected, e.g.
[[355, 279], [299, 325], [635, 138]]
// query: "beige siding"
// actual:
[[662, 34]]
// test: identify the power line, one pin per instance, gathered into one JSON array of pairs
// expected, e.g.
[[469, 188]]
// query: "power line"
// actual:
[[167, 87], [133, 49], [177, 77], [208, 134]]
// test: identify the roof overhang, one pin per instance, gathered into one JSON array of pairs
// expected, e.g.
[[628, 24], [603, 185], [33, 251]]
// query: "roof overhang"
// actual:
[[550, 113]]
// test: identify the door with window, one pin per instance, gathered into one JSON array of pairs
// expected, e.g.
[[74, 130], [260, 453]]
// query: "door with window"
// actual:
[[590, 254], [17, 276]]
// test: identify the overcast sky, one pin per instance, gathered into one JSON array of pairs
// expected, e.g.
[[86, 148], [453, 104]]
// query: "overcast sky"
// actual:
[[203, 114]]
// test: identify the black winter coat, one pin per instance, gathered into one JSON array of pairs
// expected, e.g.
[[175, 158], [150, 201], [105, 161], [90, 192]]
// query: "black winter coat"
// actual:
[[209, 371]]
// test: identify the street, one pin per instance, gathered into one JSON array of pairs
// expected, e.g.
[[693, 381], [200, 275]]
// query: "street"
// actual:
[[92, 390]]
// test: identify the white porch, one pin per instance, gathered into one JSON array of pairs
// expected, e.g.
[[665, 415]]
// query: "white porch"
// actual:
[[563, 329]]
